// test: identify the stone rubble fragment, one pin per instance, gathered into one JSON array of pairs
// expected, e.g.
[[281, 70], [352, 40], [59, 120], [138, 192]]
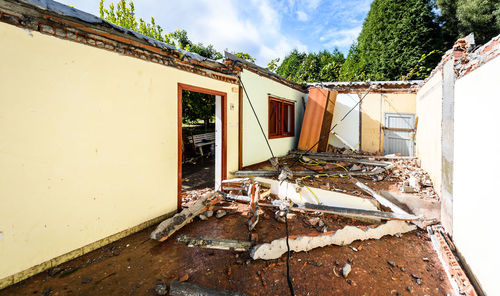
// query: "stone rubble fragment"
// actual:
[[346, 270], [220, 213]]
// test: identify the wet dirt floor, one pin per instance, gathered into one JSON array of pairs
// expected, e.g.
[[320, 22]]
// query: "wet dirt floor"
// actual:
[[200, 174], [135, 265]]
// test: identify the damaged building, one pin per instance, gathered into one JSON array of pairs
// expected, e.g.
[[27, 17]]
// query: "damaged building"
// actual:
[[344, 188]]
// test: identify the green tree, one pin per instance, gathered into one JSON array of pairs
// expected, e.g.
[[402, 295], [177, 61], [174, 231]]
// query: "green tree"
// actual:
[[196, 106], [312, 67], [448, 20], [351, 69], [273, 65], [394, 36], [290, 65], [124, 16], [461, 17]]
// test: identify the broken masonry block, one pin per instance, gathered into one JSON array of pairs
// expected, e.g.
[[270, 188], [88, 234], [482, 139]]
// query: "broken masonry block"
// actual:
[[344, 236], [168, 227], [215, 243], [189, 289], [346, 270]]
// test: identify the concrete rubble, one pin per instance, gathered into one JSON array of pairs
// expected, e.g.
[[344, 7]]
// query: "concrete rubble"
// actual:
[[295, 193], [345, 236], [190, 289], [168, 227]]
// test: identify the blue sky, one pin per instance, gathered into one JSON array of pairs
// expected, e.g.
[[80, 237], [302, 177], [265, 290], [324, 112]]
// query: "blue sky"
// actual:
[[266, 29]]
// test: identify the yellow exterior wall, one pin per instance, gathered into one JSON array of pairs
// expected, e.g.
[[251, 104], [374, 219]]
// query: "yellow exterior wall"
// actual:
[[88, 144], [374, 107], [254, 145], [428, 136]]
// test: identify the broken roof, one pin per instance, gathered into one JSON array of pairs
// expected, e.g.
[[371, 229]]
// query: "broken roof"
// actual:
[[69, 11], [232, 59], [410, 86], [35, 14]]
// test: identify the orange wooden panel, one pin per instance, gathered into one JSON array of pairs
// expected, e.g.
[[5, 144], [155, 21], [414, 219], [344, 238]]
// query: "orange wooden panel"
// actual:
[[313, 119], [327, 122]]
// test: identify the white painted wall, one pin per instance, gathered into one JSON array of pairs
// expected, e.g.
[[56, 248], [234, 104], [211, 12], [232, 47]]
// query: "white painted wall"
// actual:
[[254, 145], [348, 129], [218, 141], [428, 137], [476, 199]]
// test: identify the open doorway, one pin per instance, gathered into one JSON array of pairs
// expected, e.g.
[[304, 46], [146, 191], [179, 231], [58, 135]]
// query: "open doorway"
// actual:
[[202, 138]]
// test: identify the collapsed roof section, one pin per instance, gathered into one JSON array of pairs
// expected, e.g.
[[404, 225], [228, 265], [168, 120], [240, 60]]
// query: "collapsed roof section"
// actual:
[[62, 21], [408, 86], [239, 64]]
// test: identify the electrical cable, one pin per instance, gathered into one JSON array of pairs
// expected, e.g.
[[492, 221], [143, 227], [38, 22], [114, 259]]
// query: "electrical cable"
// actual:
[[290, 285], [256, 117]]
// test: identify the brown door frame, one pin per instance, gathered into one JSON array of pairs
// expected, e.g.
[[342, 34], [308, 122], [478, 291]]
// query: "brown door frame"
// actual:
[[223, 95]]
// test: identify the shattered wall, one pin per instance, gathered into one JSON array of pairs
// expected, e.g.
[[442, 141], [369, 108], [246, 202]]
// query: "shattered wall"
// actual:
[[254, 147], [349, 128], [428, 135], [475, 172], [88, 144], [374, 107]]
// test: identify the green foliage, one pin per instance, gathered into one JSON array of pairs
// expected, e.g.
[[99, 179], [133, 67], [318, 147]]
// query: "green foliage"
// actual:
[[420, 71], [461, 17], [352, 70], [196, 106], [448, 21], [313, 67], [245, 56], [480, 17], [273, 65], [124, 16], [395, 35], [205, 51]]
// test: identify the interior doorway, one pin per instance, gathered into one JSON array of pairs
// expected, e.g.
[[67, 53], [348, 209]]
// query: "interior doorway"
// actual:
[[202, 133]]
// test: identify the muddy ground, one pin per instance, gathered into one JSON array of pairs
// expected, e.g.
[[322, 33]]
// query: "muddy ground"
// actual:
[[135, 265], [198, 174]]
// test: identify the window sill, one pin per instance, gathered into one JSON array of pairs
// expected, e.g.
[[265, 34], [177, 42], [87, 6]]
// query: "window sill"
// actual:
[[279, 137]]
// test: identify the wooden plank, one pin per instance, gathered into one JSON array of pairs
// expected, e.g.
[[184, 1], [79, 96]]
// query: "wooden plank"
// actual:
[[397, 129], [326, 124]]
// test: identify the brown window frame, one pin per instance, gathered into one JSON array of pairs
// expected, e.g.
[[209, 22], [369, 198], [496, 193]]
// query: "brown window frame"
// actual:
[[276, 127]]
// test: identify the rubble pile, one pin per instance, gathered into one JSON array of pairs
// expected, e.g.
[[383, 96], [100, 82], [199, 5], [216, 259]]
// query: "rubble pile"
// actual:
[[412, 179], [190, 197]]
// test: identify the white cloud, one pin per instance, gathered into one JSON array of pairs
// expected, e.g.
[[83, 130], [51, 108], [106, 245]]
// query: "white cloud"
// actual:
[[302, 16], [340, 38], [312, 4]]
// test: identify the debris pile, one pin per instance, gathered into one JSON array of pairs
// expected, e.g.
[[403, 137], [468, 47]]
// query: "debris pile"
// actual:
[[412, 179], [317, 191], [188, 198]]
